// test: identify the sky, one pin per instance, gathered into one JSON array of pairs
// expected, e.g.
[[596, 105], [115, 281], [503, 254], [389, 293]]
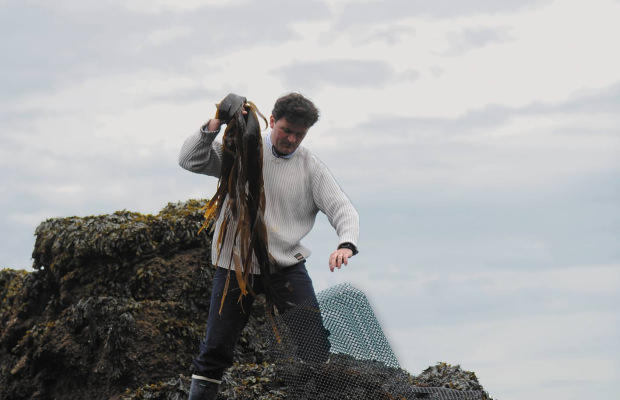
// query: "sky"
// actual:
[[477, 139]]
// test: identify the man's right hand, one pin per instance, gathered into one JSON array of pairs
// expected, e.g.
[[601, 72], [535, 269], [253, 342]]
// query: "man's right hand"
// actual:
[[214, 124]]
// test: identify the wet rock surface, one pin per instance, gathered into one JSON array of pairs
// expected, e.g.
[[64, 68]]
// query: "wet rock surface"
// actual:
[[116, 307]]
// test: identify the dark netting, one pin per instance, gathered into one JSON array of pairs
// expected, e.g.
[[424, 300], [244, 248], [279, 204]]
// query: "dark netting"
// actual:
[[336, 349]]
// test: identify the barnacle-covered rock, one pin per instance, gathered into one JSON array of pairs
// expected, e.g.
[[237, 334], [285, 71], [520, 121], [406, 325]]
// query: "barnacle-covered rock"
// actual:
[[252, 381], [115, 302], [174, 388], [122, 237], [449, 376], [116, 307]]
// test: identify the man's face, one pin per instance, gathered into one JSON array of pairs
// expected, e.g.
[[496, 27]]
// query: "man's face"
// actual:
[[286, 137]]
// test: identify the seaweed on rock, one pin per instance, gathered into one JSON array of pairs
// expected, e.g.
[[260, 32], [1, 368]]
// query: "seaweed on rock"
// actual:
[[116, 307]]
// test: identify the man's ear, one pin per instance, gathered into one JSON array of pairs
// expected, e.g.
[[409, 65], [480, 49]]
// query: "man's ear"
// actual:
[[272, 121]]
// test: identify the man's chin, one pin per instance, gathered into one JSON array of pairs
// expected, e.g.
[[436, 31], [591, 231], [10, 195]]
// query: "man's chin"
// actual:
[[285, 151]]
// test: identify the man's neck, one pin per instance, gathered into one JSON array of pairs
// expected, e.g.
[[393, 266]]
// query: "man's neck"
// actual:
[[275, 151]]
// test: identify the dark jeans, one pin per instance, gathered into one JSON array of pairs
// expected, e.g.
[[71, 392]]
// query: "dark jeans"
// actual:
[[293, 287]]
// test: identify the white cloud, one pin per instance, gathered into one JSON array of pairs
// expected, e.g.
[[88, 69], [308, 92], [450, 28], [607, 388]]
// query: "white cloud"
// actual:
[[30, 219], [471, 38], [512, 355], [369, 12], [158, 6], [478, 139], [590, 279], [416, 282], [171, 34], [541, 63], [312, 76]]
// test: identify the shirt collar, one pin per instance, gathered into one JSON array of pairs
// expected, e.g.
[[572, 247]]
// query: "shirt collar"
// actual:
[[273, 149]]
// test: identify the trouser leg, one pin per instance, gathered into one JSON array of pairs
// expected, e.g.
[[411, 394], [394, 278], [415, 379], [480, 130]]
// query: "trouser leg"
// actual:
[[216, 351], [298, 305]]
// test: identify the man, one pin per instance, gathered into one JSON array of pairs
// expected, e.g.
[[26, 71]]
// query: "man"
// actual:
[[297, 186]]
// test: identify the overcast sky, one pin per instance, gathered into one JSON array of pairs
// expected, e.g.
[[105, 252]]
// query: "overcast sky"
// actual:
[[478, 140]]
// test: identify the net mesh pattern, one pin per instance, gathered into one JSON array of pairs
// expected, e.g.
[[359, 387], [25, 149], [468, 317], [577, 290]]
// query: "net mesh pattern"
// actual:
[[336, 349]]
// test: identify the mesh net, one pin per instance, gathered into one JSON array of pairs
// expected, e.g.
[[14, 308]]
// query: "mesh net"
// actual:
[[336, 349], [354, 329]]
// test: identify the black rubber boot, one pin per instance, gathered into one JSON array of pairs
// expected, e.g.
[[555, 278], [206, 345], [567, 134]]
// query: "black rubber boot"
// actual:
[[203, 389]]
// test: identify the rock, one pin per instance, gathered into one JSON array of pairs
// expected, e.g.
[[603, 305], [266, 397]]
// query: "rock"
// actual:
[[116, 306]]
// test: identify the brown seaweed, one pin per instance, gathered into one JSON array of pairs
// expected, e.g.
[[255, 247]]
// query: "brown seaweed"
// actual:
[[240, 197], [61, 324]]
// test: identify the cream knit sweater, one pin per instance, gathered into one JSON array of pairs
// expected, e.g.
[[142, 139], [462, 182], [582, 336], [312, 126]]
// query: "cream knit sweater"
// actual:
[[296, 189]]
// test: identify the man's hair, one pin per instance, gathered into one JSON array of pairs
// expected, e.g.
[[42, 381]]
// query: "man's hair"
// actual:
[[296, 109]]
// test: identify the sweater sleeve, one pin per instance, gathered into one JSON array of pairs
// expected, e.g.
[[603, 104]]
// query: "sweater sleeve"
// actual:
[[201, 153], [334, 203]]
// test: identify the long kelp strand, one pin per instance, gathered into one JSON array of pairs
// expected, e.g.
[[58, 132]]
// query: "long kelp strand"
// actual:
[[239, 200]]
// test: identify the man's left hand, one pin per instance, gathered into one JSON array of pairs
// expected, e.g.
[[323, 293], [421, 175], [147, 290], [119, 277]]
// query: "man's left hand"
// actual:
[[339, 257]]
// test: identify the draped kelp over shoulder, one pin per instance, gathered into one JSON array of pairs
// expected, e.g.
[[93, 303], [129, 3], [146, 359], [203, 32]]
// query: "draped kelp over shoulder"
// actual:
[[240, 198]]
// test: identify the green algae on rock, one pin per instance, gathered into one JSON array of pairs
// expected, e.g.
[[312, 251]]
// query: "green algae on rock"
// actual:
[[123, 236], [116, 307]]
